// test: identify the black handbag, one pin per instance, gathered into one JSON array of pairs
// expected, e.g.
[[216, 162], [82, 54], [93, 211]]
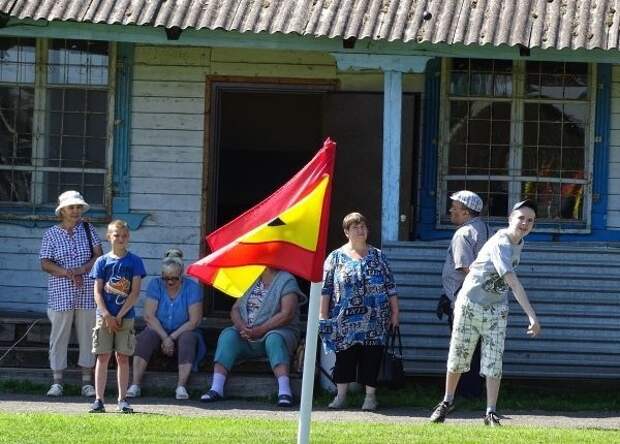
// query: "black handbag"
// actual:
[[391, 373]]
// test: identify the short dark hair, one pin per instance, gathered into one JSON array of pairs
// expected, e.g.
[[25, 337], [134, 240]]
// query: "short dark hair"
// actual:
[[353, 219]]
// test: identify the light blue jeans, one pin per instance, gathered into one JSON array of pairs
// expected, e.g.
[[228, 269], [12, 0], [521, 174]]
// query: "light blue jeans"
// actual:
[[231, 348]]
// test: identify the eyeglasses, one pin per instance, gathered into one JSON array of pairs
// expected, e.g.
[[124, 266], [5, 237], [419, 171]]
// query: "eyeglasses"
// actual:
[[170, 278]]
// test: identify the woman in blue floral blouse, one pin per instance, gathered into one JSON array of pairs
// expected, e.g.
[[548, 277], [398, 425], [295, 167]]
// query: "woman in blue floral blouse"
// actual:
[[359, 306]]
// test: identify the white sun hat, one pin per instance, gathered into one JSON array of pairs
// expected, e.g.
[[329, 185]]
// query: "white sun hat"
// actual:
[[69, 198], [468, 198]]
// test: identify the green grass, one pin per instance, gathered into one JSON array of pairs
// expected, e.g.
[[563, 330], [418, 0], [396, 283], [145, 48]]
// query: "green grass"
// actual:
[[153, 429], [514, 395]]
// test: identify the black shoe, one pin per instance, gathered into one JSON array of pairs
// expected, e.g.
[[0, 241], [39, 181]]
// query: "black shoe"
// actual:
[[285, 401], [492, 420], [97, 407], [441, 411]]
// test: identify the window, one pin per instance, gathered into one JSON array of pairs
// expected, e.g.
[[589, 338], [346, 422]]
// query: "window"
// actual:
[[516, 130], [54, 122]]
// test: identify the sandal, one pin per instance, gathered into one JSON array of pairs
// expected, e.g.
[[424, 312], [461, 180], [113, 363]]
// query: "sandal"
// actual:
[[211, 396], [285, 401]]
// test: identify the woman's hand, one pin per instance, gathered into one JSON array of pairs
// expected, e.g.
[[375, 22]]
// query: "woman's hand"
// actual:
[[78, 280], [394, 321], [167, 346], [252, 333]]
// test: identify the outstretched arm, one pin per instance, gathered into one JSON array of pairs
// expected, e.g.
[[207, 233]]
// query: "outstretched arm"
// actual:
[[519, 292]]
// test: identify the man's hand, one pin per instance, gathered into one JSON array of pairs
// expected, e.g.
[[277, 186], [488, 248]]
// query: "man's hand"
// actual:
[[534, 328], [111, 323]]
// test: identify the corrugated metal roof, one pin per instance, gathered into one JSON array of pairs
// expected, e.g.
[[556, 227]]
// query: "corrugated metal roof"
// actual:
[[559, 24]]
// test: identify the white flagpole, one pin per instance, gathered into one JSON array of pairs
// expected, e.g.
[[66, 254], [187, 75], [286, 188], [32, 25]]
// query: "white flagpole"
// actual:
[[307, 383]]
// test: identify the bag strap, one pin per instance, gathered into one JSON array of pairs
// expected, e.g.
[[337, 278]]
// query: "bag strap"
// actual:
[[89, 236], [395, 341]]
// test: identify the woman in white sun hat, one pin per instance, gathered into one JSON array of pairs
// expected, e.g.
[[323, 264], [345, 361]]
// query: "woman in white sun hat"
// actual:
[[68, 251]]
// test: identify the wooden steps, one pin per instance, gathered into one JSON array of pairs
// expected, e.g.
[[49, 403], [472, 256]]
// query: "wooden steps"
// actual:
[[29, 359]]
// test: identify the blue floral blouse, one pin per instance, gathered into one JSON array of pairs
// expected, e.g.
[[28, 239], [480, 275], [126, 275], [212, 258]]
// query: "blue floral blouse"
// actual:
[[359, 292]]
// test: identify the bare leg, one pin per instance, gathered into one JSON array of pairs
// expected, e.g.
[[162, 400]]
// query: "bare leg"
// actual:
[[139, 367], [122, 374], [218, 368], [280, 370], [184, 372], [452, 381], [492, 392], [57, 375], [101, 374], [342, 390]]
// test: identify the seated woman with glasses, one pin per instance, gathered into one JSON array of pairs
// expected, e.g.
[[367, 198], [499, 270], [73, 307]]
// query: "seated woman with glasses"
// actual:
[[172, 312]]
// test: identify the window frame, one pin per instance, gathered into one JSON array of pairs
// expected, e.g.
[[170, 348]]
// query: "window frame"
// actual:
[[38, 211], [515, 181]]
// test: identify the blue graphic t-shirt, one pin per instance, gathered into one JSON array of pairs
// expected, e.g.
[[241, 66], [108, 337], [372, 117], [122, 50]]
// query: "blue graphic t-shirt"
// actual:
[[117, 274]]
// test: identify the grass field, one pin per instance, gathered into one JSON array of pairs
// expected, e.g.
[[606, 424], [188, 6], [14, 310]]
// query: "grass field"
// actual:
[[153, 429], [514, 395]]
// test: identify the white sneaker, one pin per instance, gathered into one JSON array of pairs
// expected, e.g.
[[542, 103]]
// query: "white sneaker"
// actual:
[[181, 393], [370, 403], [134, 391], [88, 391], [55, 390]]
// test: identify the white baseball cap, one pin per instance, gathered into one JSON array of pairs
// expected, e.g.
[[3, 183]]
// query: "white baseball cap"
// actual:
[[468, 198], [69, 198]]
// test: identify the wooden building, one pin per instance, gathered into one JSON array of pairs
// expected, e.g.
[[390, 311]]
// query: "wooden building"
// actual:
[[177, 115]]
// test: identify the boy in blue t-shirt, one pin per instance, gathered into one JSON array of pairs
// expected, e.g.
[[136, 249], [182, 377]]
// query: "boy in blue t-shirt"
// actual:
[[118, 276]]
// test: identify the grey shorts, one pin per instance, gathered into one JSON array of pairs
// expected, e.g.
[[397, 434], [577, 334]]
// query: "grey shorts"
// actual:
[[471, 322]]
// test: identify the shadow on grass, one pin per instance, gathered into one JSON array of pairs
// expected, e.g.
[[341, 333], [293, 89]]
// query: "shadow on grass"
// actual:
[[418, 394]]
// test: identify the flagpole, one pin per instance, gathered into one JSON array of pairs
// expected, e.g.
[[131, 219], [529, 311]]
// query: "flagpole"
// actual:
[[307, 383]]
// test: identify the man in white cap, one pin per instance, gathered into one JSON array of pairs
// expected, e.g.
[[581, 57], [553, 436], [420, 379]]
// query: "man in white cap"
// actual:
[[481, 310], [470, 236]]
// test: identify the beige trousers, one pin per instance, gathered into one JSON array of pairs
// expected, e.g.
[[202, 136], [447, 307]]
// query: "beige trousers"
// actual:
[[61, 333]]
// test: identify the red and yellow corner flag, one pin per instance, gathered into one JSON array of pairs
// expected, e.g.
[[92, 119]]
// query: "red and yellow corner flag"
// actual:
[[288, 231]]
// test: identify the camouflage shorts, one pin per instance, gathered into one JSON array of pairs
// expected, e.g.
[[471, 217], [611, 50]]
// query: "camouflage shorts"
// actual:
[[473, 321]]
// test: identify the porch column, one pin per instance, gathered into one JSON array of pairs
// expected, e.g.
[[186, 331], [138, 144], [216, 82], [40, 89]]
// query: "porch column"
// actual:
[[393, 67], [390, 186]]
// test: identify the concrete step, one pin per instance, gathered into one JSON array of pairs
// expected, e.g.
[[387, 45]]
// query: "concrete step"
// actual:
[[237, 386]]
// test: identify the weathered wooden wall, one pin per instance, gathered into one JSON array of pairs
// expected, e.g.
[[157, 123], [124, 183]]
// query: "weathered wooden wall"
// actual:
[[613, 204], [167, 152], [575, 297]]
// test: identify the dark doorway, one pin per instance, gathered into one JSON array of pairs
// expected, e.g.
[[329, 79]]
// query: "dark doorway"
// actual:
[[261, 135]]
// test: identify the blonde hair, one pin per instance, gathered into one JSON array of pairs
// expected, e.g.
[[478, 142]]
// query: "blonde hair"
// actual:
[[353, 219], [118, 224], [173, 258]]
